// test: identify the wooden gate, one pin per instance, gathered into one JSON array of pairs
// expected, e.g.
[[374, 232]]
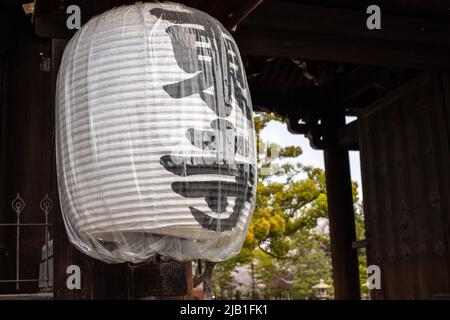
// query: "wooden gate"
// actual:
[[405, 163]]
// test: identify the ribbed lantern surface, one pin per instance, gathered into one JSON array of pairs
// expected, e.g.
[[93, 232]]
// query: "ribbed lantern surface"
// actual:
[[155, 137]]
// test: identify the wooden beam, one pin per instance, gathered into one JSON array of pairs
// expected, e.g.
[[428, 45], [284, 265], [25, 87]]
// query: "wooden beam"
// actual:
[[362, 80], [359, 244], [161, 279], [240, 13], [285, 101], [347, 136], [394, 95], [50, 15], [340, 35], [229, 13]]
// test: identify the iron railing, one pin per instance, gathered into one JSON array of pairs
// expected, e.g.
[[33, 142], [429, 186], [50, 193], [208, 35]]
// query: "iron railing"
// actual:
[[18, 205]]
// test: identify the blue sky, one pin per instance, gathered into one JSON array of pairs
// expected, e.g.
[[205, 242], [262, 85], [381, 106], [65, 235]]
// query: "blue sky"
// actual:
[[278, 133]]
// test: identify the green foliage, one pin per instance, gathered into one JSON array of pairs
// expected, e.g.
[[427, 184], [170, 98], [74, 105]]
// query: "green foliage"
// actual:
[[287, 204], [222, 279], [287, 240], [362, 257], [314, 264]]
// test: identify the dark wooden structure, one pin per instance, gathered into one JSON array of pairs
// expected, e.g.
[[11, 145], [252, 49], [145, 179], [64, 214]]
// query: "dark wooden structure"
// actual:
[[311, 62]]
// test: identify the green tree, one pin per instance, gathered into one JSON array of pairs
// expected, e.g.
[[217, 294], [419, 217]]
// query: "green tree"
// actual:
[[222, 279], [362, 257], [287, 240], [284, 200]]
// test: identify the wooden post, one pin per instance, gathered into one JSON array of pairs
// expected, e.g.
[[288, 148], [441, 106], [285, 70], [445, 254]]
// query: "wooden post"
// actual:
[[341, 216]]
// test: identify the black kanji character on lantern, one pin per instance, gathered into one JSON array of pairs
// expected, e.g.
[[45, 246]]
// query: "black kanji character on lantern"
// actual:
[[224, 141], [202, 47]]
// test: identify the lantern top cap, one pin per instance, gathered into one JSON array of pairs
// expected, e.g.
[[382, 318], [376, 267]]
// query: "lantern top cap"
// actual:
[[321, 285]]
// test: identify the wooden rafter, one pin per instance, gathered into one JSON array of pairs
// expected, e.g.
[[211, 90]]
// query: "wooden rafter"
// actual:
[[341, 35], [50, 14]]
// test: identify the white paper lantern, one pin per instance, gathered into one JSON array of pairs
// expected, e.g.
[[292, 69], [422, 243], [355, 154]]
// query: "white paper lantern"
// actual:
[[155, 136]]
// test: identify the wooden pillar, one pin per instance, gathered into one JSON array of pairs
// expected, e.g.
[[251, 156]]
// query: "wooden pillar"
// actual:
[[341, 215]]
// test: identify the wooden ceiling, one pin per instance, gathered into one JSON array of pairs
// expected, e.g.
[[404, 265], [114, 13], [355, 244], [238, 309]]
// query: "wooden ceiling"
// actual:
[[414, 34], [299, 51]]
